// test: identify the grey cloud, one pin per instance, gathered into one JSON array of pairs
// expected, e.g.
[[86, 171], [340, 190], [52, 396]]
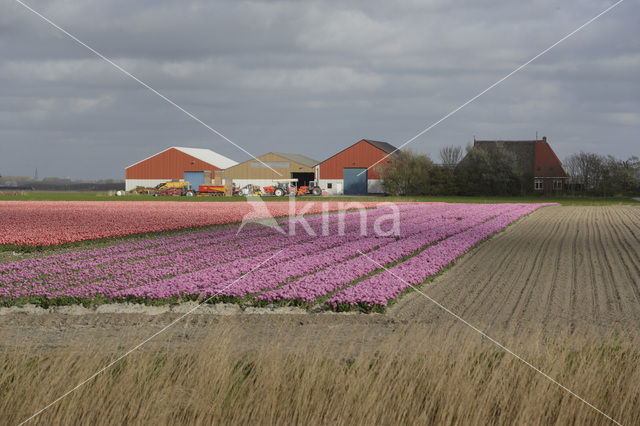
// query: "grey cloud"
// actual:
[[308, 77]]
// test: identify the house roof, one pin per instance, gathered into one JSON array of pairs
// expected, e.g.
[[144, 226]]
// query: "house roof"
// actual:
[[202, 154], [297, 158], [525, 151], [533, 156]]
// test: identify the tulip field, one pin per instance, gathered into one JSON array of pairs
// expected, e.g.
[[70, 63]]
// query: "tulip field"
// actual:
[[339, 261], [45, 223]]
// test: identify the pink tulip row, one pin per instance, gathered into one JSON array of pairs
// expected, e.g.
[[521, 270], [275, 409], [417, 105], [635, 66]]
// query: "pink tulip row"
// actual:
[[389, 284], [218, 238], [47, 223]]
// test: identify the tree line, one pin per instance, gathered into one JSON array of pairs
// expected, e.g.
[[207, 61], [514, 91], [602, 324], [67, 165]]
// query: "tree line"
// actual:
[[602, 175], [495, 171]]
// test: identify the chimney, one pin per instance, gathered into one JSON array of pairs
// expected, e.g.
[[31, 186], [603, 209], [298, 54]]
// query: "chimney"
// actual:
[[544, 139]]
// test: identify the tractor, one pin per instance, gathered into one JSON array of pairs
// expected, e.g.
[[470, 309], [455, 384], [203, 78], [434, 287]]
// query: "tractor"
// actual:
[[311, 189], [281, 187]]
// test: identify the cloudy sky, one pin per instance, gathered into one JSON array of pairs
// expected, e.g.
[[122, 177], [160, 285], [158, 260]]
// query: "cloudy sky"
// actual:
[[309, 77]]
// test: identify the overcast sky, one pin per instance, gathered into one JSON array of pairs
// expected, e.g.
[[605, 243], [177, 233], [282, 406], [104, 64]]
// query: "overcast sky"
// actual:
[[309, 77]]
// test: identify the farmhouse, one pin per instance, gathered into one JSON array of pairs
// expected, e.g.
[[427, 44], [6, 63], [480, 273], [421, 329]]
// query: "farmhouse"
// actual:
[[347, 172], [196, 165], [273, 165], [535, 158]]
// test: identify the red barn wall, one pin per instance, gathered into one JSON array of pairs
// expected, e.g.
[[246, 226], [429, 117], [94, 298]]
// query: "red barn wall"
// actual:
[[170, 164], [361, 154]]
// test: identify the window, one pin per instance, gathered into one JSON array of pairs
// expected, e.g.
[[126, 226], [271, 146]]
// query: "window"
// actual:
[[557, 184], [538, 184], [329, 186]]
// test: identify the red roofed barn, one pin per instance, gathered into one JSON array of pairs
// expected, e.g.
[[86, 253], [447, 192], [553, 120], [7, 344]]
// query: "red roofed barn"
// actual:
[[347, 172], [195, 165]]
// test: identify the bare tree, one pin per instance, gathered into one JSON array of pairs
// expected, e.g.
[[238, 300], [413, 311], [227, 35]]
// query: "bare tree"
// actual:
[[588, 170], [451, 155]]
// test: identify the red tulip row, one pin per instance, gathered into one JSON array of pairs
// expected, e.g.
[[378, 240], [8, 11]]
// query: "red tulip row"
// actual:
[[48, 223]]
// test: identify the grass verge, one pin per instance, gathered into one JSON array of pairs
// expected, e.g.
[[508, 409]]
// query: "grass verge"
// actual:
[[567, 200]]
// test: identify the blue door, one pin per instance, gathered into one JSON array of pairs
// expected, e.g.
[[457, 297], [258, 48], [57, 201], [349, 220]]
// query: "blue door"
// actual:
[[195, 179], [355, 181]]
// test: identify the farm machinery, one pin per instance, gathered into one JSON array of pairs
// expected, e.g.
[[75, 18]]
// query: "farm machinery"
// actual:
[[185, 189], [311, 189], [173, 188], [280, 188], [248, 190], [213, 190], [284, 187], [141, 190]]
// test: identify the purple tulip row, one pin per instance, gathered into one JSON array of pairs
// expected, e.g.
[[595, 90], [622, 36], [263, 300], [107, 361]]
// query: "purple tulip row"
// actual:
[[309, 288], [203, 246], [174, 256], [164, 246], [389, 284], [277, 266]]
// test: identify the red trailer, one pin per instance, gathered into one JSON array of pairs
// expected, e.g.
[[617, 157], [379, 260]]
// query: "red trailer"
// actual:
[[216, 190]]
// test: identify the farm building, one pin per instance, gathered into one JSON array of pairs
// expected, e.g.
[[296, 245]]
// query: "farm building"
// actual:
[[347, 171], [535, 157], [282, 166], [196, 165]]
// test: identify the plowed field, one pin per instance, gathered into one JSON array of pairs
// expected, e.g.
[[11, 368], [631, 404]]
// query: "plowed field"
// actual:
[[561, 269]]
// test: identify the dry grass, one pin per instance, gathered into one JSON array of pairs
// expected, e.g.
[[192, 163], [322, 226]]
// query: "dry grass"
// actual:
[[409, 380]]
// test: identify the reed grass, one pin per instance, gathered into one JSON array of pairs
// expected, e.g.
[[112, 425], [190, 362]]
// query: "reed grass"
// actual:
[[407, 380]]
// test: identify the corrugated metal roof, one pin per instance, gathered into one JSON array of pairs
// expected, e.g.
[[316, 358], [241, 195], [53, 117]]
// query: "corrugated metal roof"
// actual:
[[385, 146], [201, 154], [297, 158], [208, 156]]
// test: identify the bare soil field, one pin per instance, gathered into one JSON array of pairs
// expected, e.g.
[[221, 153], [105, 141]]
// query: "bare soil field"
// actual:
[[572, 270]]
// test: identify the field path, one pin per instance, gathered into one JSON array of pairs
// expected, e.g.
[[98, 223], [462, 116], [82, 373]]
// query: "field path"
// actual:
[[559, 270]]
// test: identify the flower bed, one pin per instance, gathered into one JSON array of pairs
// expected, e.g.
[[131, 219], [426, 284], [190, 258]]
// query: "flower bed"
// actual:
[[338, 263], [46, 223]]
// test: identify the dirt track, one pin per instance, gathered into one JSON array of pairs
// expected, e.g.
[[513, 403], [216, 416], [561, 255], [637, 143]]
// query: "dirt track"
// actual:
[[561, 270]]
